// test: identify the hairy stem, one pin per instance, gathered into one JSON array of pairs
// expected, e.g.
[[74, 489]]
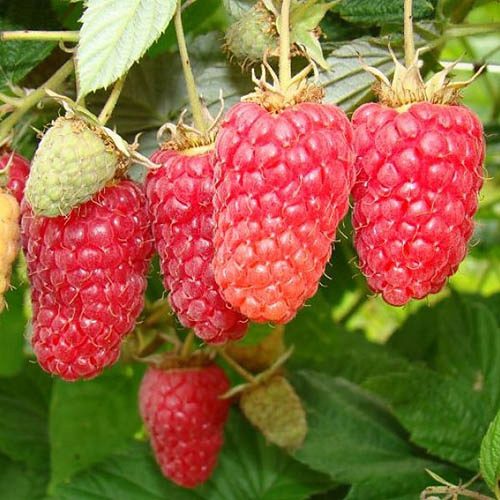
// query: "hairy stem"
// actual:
[[187, 346], [285, 63], [453, 490], [236, 367], [43, 36], [108, 108], [194, 98], [35, 97], [458, 30], [408, 33]]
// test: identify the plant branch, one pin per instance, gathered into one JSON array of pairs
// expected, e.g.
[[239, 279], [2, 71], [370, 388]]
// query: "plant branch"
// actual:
[[194, 98], [108, 108], [236, 367], [35, 97], [408, 33], [458, 30], [453, 490], [187, 346], [42, 36], [284, 61]]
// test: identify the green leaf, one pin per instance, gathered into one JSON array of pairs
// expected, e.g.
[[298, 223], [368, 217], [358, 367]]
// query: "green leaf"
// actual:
[[460, 337], [236, 8], [89, 420], [19, 482], [17, 58], [347, 84], [200, 18], [154, 91], [444, 415], [115, 34], [12, 326], [388, 11], [355, 440], [247, 468], [328, 347], [23, 417], [490, 456]]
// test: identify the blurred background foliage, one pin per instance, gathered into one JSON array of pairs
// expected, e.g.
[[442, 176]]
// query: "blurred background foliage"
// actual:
[[422, 400]]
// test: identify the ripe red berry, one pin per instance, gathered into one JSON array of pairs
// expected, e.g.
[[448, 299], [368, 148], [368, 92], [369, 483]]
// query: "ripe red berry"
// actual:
[[180, 197], [18, 171], [87, 273], [420, 172], [282, 186], [185, 417]]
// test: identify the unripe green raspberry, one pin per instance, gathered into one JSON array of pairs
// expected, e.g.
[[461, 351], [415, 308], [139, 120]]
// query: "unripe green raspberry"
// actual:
[[74, 160], [275, 409], [253, 35]]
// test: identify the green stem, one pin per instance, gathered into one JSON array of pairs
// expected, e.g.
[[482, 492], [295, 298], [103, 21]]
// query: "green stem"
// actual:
[[108, 108], [44, 36], [236, 366], [408, 33], [35, 97], [194, 98], [187, 346], [458, 30], [285, 62], [453, 490]]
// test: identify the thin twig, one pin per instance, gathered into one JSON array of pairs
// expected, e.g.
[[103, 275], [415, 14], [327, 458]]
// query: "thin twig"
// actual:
[[42, 36], [108, 108], [35, 97]]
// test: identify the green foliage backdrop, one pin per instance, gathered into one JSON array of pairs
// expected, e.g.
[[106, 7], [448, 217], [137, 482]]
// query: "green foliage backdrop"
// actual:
[[388, 392]]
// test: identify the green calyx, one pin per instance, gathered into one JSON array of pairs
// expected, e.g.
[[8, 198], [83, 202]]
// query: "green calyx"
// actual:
[[74, 160]]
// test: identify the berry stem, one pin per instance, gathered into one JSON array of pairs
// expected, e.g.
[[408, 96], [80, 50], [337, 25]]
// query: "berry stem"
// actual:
[[35, 97], [187, 346], [235, 366], [108, 108], [284, 62], [408, 33], [194, 98], [42, 36]]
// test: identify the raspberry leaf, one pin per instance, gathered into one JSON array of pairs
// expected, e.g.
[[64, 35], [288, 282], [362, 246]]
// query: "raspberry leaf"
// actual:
[[17, 58], [103, 409], [114, 35], [446, 416], [490, 456], [248, 468], [466, 349], [24, 402], [379, 13], [380, 462]]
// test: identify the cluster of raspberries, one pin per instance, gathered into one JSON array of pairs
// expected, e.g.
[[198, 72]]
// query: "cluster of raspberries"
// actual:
[[244, 230]]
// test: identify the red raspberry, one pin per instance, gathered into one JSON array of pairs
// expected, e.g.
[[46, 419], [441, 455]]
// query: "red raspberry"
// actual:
[[180, 196], [87, 273], [19, 169], [282, 186], [185, 417], [420, 172]]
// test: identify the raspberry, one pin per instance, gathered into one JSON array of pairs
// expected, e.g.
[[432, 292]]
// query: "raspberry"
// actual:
[[73, 162], [185, 417], [18, 170], [87, 272], [420, 172], [180, 197], [282, 186], [253, 35], [9, 240]]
